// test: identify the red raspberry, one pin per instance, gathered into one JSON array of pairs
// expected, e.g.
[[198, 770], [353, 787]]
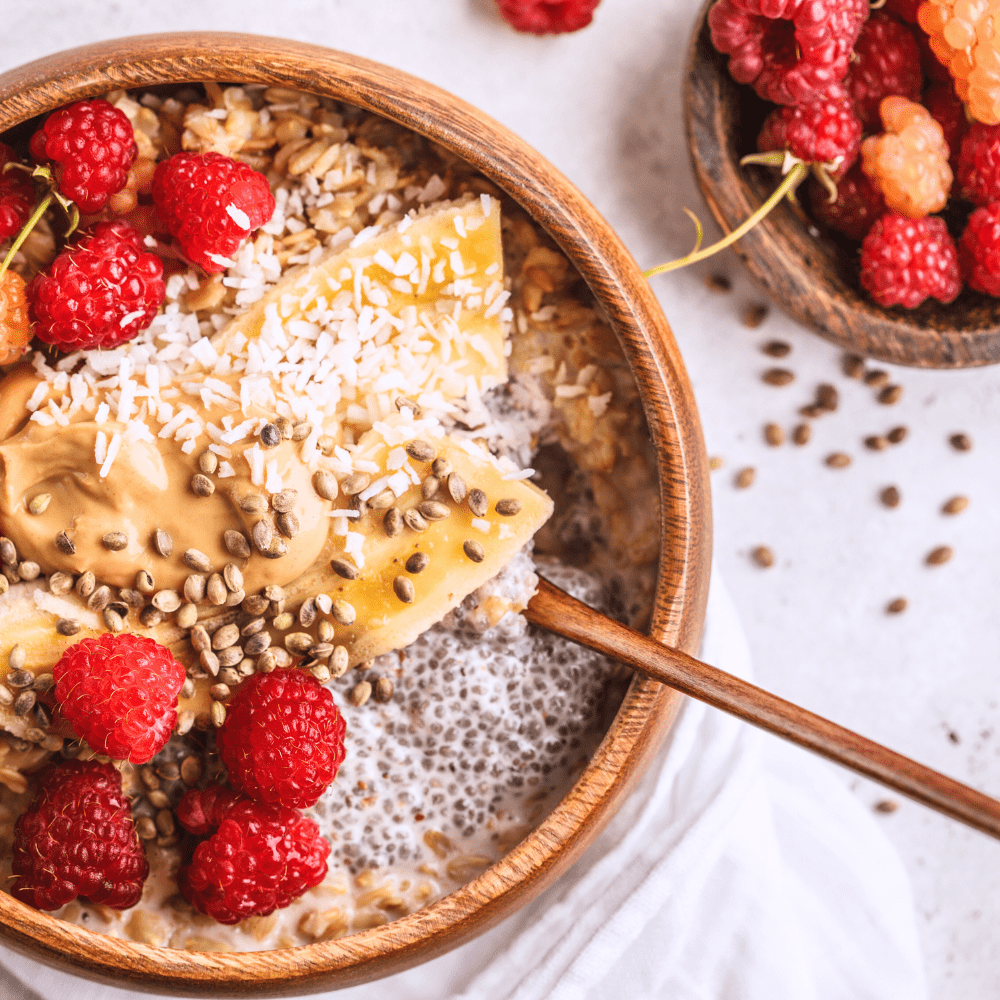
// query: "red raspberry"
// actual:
[[99, 292], [78, 839], [283, 738], [979, 164], [119, 693], [887, 62], [547, 17], [17, 195], [201, 811], [260, 859], [906, 9], [210, 204], [979, 249], [949, 112], [93, 147], [787, 49], [821, 129], [904, 261], [859, 203]]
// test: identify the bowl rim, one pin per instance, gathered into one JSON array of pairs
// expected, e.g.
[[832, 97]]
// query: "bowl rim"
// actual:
[[648, 710], [791, 270]]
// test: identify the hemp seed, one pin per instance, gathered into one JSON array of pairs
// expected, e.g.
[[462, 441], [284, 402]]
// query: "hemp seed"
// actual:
[[478, 502], [745, 477], [960, 442], [897, 435], [253, 503], [763, 556], [896, 606], [776, 349], [115, 541], [39, 503], [202, 486], [418, 562], [890, 394], [325, 484], [344, 613], [270, 436], [777, 376], [420, 451], [802, 434], [474, 550], [360, 693], [404, 589], [955, 505], [890, 497], [838, 460], [65, 544], [383, 689], [344, 567], [940, 555], [208, 463], [774, 435], [508, 507], [163, 543], [393, 522]]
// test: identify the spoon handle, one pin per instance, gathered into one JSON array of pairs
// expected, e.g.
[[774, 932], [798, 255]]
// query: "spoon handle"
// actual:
[[556, 611]]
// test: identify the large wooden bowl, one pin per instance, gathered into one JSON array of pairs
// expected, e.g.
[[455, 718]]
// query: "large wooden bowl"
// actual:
[[648, 709], [814, 278]]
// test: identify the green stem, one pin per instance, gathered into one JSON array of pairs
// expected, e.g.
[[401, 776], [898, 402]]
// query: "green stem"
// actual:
[[791, 180], [39, 211]]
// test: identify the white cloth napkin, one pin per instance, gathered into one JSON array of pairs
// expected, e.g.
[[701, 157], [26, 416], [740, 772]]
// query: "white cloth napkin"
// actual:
[[740, 869]]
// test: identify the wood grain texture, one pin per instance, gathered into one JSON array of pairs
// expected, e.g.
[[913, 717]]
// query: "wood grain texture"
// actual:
[[555, 610], [814, 278], [648, 709]]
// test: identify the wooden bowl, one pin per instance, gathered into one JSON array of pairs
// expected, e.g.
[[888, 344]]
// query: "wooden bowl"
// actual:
[[814, 278], [648, 709]]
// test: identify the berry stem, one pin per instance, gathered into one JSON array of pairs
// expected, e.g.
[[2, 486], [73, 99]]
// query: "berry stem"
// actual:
[[39, 211], [792, 179]]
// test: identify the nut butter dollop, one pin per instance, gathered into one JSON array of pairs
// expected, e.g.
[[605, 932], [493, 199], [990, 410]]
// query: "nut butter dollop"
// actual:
[[148, 487]]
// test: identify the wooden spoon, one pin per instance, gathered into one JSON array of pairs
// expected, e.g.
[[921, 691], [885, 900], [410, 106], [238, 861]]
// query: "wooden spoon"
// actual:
[[556, 611]]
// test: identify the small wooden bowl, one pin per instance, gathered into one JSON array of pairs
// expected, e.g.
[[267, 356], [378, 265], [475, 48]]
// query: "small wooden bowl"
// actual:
[[648, 709], [813, 278]]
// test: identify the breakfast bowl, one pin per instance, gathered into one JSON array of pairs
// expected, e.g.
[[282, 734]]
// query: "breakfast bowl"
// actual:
[[813, 275], [164, 64]]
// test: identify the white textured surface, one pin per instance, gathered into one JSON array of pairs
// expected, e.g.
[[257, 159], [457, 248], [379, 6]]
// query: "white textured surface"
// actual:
[[604, 106]]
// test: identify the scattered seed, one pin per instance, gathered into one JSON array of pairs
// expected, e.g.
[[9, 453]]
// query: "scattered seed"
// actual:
[[383, 689], [434, 510], [441, 467], [324, 602], [113, 621], [144, 582], [256, 644], [355, 483], [262, 534], [99, 599], [149, 617], [218, 709], [745, 477], [886, 806], [65, 544], [4, 585], [284, 621], [115, 541], [325, 631], [6, 696], [256, 604], [8, 552], [194, 588], [216, 590], [284, 426], [40, 503], [715, 462], [897, 606], [208, 463], [167, 601], [320, 651], [778, 376], [776, 349], [197, 560], [60, 584], [420, 451], [237, 544], [24, 702], [145, 828], [393, 522], [961, 442], [185, 720], [718, 283], [325, 484], [345, 567], [210, 661], [230, 656], [890, 497], [270, 436], [955, 505], [200, 639], [430, 487], [876, 442], [774, 435], [891, 394], [508, 507], [897, 435], [339, 661], [360, 693], [163, 543], [301, 430], [457, 488], [415, 520], [131, 597], [812, 411], [321, 672], [288, 524], [801, 434], [478, 503], [405, 591], [754, 315], [232, 577], [191, 770], [344, 613], [202, 486], [17, 676], [253, 503], [876, 378], [29, 570], [69, 626], [763, 556], [474, 550], [361, 506], [940, 555], [853, 366], [327, 444], [838, 460], [285, 501], [298, 642], [418, 562], [383, 500]]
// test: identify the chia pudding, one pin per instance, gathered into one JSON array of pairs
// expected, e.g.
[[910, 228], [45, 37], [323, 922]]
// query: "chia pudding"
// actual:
[[282, 471]]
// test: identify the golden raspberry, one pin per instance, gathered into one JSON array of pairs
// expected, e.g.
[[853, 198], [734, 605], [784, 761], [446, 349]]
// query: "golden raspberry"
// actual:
[[909, 161], [965, 37], [15, 329]]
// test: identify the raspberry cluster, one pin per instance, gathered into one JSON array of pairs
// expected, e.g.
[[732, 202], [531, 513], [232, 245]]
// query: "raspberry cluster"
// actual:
[[911, 75]]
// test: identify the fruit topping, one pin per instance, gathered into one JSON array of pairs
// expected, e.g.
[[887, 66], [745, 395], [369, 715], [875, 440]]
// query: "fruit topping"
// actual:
[[548, 17], [859, 203], [17, 194], [979, 164], [979, 249]]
